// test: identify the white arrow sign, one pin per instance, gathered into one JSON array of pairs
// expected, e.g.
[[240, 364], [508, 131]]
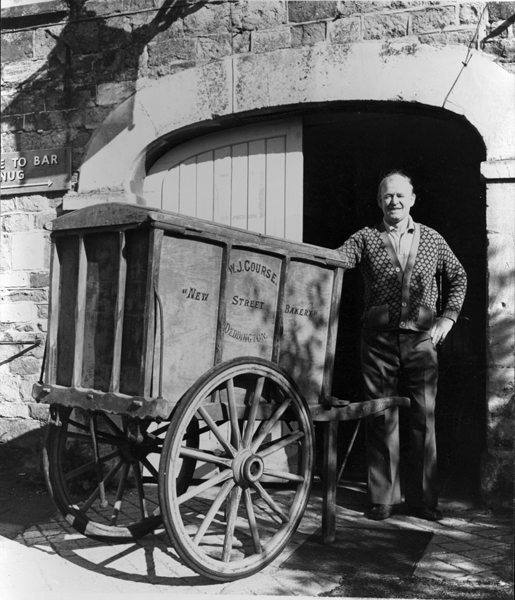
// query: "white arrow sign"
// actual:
[[46, 183]]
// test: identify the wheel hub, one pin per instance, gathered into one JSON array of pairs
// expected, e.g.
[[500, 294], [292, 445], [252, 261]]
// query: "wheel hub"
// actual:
[[247, 468]]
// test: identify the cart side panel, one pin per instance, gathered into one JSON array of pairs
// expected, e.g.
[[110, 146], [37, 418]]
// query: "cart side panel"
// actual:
[[306, 317], [251, 304], [68, 256], [102, 252], [189, 288], [134, 321]]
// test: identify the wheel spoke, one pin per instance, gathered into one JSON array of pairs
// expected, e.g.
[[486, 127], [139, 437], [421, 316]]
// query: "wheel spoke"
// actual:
[[112, 425], [213, 509], [233, 503], [271, 502], [158, 431], [107, 479], [119, 494], [287, 440], [209, 483], [141, 492], [284, 475], [87, 466], [254, 404], [235, 430], [247, 499], [101, 439], [212, 459], [216, 431], [270, 423]]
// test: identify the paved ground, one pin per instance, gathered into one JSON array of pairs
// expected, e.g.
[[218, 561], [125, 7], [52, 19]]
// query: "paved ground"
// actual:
[[40, 554]]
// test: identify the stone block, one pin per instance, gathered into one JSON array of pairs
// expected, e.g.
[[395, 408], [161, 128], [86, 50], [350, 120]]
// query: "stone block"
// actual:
[[114, 93], [39, 411], [385, 26], [10, 410], [17, 222], [12, 123], [32, 203], [208, 19], [14, 429], [28, 251], [39, 279], [25, 365], [44, 218], [241, 43], [214, 47], [17, 312], [18, 73], [309, 34], [115, 32], [267, 41], [344, 31], [46, 45], [458, 37], [257, 14], [42, 311], [9, 385], [5, 252], [172, 50], [433, 18], [17, 46], [500, 10], [25, 295], [14, 279], [497, 478], [469, 12], [299, 12]]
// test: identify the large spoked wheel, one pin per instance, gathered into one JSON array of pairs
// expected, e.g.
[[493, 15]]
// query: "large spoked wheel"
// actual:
[[254, 469], [101, 471]]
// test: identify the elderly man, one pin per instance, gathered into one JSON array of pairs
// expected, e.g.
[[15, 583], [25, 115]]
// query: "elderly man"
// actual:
[[399, 260]]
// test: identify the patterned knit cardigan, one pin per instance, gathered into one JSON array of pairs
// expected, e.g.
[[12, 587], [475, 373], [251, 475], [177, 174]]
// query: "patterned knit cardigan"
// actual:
[[397, 298]]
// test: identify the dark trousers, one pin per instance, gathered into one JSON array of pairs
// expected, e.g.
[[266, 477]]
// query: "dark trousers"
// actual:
[[384, 355]]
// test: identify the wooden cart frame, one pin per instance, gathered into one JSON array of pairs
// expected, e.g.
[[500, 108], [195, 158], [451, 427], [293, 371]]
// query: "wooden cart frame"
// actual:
[[210, 347]]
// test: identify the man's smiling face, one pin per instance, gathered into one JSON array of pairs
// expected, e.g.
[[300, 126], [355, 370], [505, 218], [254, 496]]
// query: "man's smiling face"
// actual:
[[396, 197]]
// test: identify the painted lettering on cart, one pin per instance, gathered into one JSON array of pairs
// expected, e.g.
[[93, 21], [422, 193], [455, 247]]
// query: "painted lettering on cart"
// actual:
[[193, 294], [239, 301], [244, 337], [297, 310], [250, 266]]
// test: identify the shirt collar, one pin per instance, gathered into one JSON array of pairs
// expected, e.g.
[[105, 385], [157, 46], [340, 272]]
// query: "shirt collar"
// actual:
[[409, 226]]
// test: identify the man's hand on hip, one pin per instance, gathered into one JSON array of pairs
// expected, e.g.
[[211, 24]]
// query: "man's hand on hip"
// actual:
[[440, 330]]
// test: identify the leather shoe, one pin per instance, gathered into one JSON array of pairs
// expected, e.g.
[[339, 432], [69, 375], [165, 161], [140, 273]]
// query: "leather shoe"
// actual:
[[380, 512], [427, 513]]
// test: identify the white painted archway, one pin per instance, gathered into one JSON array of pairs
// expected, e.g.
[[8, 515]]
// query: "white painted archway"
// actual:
[[484, 94]]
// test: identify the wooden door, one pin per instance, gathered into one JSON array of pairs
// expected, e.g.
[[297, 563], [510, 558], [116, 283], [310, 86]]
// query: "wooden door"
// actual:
[[249, 177]]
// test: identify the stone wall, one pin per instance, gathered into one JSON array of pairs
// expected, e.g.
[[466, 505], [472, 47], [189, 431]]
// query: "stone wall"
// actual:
[[64, 72]]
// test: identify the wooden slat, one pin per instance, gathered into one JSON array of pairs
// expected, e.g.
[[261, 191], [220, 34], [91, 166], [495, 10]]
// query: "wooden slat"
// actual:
[[239, 186], [222, 301], [257, 191], [53, 316], [80, 315], [294, 168], [170, 190], [275, 186], [188, 187], [205, 175], [332, 332], [154, 253], [118, 316], [276, 350], [222, 186]]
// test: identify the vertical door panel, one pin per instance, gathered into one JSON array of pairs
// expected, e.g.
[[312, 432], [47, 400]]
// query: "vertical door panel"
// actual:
[[248, 177]]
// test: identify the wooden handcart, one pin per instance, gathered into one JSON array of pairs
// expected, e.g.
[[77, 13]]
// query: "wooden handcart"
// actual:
[[185, 365]]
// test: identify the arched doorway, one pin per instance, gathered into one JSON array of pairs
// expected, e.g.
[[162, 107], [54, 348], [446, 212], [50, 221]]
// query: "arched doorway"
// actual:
[[345, 154]]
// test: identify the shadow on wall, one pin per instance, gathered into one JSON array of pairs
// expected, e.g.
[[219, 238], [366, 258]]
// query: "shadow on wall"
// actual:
[[87, 51]]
